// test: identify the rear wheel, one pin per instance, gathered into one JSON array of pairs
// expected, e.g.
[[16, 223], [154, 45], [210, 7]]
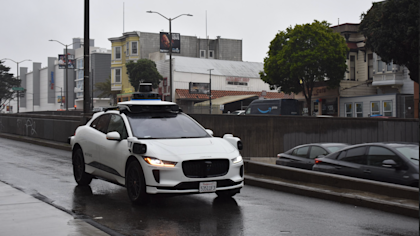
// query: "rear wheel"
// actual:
[[82, 178], [227, 193], [135, 184]]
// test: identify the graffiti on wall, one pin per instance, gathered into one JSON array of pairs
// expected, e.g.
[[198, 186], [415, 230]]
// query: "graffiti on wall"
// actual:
[[26, 127]]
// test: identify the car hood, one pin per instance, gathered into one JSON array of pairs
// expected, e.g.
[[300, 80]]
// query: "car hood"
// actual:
[[189, 148]]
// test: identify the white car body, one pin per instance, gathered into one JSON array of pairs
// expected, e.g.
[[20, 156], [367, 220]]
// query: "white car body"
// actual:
[[107, 159]]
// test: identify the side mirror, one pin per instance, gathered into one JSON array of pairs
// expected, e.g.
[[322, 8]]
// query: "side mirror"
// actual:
[[209, 131], [139, 148], [389, 164], [240, 145], [114, 135]]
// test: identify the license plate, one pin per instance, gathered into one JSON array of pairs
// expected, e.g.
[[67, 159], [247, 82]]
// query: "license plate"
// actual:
[[206, 187]]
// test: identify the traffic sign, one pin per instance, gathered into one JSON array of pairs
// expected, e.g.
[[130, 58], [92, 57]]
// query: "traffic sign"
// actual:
[[18, 89]]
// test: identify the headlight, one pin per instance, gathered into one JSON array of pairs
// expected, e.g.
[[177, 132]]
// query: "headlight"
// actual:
[[157, 162], [237, 159]]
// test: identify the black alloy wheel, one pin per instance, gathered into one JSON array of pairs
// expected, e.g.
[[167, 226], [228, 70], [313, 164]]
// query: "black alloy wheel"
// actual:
[[82, 178], [135, 184]]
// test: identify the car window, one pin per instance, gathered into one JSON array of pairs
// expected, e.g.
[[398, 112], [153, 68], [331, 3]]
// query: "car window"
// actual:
[[377, 155], [165, 125], [335, 148], [116, 123], [411, 153], [94, 124], [103, 122], [355, 155], [316, 151], [301, 152]]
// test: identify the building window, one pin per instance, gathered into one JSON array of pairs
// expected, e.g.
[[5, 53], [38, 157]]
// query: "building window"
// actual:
[[80, 74], [370, 65], [127, 51], [387, 108], [237, 83], [202, 53], [359, 109], [117, 53], [134, 48], [380, 65], [352, 68], [375, 110], [211, 54], [349, 111], [117, 75], [80, 64], [389, 66]]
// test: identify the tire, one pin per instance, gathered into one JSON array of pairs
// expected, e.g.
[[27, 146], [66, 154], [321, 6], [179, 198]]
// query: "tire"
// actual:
[[135, 184], [82, 178], [227, 193]]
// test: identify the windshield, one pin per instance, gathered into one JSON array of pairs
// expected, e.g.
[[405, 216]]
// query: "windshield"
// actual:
[[335, 148], [411, 153], [165, 125]]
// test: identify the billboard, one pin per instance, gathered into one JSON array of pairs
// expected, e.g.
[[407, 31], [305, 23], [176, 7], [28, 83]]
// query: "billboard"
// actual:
[[199, 88], [164, 42], [62, 61]]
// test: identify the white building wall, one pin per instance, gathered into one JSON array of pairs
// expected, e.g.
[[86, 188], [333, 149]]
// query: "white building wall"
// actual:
[[182, 80], [44, 86], [408, 86], [366, 104]]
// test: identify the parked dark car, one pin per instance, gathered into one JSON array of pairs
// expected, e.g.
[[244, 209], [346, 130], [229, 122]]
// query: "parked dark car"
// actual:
[[387, 162], [303, 156]]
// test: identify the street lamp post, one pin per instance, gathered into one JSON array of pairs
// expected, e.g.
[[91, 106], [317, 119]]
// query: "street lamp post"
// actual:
[[61, 100], [210, 90], [170, 48], [17, 76], [67, 66]]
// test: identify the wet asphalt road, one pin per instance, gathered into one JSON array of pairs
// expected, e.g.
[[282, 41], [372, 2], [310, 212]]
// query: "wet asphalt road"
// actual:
[[42, 171]]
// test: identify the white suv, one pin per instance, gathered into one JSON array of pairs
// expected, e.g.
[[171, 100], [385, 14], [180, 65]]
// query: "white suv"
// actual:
[[151, 147]]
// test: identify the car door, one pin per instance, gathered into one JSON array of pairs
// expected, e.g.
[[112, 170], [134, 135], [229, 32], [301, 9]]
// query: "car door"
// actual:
[[298, 158], [90, 138], [115, 152], [350, 162], [376, 155], [314, 152]]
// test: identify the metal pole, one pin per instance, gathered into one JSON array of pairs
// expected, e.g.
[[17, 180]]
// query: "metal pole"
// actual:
[[61, 98], [170, 60], [210, 108], [86, 92], [17, 77], [67, 83]]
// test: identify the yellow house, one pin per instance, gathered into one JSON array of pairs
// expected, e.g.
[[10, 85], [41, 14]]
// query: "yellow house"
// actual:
[[124, 49]]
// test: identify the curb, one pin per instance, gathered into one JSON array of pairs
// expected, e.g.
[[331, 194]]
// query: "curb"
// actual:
[[333, 196]]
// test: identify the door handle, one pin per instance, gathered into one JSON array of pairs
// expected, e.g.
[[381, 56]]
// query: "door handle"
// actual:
[[367, 171]]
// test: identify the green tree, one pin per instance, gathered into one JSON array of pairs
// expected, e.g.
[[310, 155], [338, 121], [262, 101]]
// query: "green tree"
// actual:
[[7, 82], [105, 88], [301, 56], [391, 29], [142, 71]]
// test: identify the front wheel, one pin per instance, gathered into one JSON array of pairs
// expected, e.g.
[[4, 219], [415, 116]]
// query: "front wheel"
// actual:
[[135, 184], [82, 178]]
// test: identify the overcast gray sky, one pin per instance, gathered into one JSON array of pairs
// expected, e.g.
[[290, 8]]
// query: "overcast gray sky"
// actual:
[[27, 25]]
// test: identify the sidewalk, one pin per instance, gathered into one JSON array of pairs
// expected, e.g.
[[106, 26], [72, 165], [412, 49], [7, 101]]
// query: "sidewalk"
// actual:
[[22, 214]]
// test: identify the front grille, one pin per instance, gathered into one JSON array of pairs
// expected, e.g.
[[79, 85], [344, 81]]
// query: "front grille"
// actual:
[[195, 185], [205, 168]]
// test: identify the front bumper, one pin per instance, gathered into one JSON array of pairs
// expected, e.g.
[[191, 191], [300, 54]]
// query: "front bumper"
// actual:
[[173, 180]]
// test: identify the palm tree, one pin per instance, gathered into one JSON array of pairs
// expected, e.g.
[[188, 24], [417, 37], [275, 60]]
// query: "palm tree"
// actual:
[[105, 87]]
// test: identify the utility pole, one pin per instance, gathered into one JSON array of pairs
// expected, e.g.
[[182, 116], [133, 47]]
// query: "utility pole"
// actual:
[[86, 92], [210, 91]]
